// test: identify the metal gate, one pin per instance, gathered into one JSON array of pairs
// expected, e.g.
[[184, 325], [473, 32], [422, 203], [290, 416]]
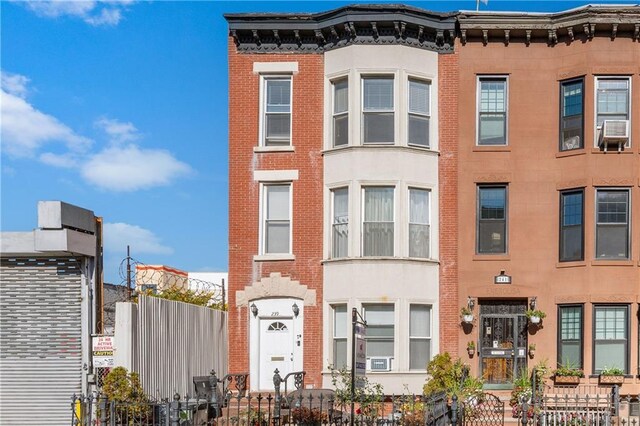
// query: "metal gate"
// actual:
[[485, 409]]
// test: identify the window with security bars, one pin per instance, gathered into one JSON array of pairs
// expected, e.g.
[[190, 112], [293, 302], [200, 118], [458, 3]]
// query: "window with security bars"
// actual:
[[492, 111], [419, 336], [570, 336], [340, 112], [339, 336], [377, 110], [419, 112], [277, 219], [611, 337], [378, 222], [571, 115], [612, 224], [612, 101], [340, 223], [276, 125], [571, 225], [418, 223], [380, 329], [492, 220]]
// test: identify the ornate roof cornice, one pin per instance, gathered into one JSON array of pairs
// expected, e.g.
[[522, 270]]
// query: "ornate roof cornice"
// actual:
[[582, 23], [387, 24]]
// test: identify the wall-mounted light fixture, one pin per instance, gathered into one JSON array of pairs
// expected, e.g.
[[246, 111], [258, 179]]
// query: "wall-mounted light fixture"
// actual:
[[471, 303], [254, 310], [533, 303], [295, 309]]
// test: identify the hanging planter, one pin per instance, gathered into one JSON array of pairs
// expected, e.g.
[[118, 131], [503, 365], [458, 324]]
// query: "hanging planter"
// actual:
[[532, 350], [535, 316], [471, 348], [466, 315]]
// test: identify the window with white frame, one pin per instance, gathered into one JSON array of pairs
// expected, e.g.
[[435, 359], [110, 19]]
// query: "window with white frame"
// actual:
[[276, 213], [610, 337], [276, 118], [613, 101], [612, 224], [419, 336], [492, 111], [419, 223], [339, 336], [378, 222], [377, 110], [419, 112], [380, 329], [340, 223], [340, 112]]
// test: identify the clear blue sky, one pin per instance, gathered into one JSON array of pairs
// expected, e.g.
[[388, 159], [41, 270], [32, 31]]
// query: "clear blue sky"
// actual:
[[121, 108]]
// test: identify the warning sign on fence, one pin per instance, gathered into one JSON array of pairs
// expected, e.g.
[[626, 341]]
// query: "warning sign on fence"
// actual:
[[102, 351]]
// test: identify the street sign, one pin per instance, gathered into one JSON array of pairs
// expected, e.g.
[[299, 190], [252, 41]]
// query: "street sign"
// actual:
[[361, 355], [102, 350]]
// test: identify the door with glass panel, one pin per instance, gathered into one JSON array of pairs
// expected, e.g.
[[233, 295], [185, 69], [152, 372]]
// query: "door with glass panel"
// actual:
[[503, 341]]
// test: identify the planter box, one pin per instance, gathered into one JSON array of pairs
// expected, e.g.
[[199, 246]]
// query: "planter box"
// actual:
[[566, 380], [611, 380]]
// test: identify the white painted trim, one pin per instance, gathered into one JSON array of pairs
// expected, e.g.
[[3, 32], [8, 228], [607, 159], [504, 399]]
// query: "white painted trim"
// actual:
[[273, 149], [480, 77], [595, 105], [277, 67], [273, 257], [275, 175], [261, 227], [263, 108]]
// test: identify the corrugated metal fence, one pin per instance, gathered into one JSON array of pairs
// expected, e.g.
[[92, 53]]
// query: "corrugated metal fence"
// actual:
[[176, 341]]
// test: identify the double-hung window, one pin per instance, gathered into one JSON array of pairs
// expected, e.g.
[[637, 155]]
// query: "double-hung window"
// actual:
[[378, 222], [612, 224], [571, 115], [492, 111], [340, 112], [570, 335], [339, 336], [340, 223], [276, 121], [380, 329], [276, 213], [612, 101], [377, 110], [492, 219], [419, 336], [610, 337], [419, 112], [571, 225], [418, 223]]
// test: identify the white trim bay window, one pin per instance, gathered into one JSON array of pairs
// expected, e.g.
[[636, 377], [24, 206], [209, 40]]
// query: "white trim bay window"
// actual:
[[419, 336], [339, 336], [380, 331], [276, 214], [276, 119], [492, 110], [378, 223], [612, 224], [377, 110], [612, 102], [610, 337], [419, 112], [419, 223], [340, 112], [340, 223]]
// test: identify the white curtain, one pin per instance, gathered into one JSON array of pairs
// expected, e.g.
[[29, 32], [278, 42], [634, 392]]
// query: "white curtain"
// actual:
[[378, 222], [340, 222], [418, 223]]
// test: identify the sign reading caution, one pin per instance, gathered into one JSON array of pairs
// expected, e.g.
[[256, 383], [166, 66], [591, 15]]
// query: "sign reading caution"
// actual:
[[102, 350]]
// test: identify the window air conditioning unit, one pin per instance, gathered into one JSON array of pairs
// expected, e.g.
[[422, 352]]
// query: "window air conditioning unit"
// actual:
[[382, 363], [614, 132]]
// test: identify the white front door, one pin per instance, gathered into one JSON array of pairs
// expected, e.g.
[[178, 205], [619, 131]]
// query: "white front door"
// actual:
[[276, 349]]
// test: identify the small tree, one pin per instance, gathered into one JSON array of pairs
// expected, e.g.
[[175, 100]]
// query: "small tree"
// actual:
[[450, 376], [368, 397], [123, 388]]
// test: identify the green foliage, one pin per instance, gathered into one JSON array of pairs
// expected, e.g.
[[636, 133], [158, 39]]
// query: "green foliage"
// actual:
[[612, 371], [535, 313], [308, 416], [250, 417], [568, 369], [178, 294], [124, 388], [471, 345], [447, 375], [465, 311], [369, 397]]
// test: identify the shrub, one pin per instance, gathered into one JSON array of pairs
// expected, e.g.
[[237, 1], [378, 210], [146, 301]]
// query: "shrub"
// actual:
[[451, 377]]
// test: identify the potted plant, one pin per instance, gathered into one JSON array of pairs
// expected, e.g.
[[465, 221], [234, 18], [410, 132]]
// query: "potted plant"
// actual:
[[471, 348], [532, 350], [567, 374], [611, 376], [535, 316], [466, 314]]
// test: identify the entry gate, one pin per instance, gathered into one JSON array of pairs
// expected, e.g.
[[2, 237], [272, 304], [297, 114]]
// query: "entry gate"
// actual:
[[486, 409]]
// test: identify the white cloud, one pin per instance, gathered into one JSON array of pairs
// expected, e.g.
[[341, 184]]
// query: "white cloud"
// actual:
[[25, 129], [117, 236], [117, 131], [66, 161], [94, 13], [131, 168]]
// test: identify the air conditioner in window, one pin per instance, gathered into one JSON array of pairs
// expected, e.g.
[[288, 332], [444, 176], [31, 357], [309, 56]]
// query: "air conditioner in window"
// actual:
[[614, 132], [381, 363]]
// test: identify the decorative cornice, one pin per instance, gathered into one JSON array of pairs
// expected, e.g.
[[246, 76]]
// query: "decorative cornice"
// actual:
[[350, 25]]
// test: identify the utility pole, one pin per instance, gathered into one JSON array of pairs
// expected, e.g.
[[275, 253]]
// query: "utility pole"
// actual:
[[129, 272]]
